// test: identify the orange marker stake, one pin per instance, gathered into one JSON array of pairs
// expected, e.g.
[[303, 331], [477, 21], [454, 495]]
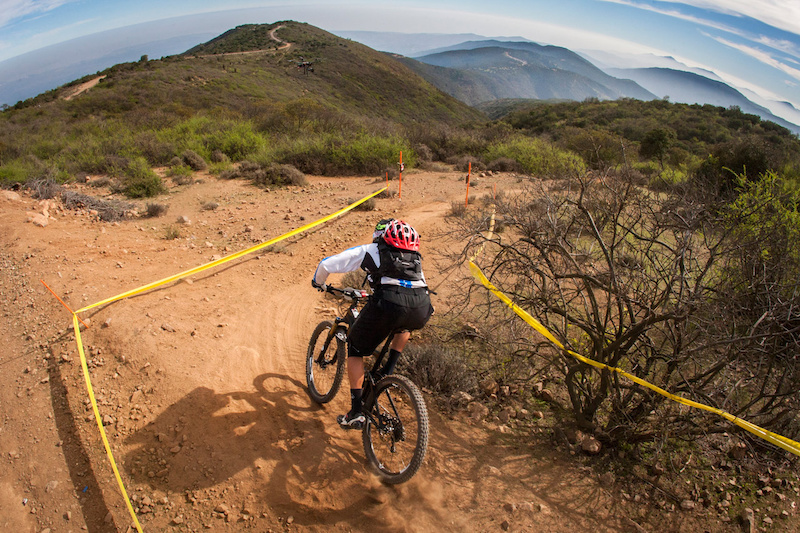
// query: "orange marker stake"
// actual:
[[62, 303], [400, 187], [387, 180]]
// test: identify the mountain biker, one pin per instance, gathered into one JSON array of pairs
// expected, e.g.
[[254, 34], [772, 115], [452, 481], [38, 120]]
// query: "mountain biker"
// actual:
[[400, 301]]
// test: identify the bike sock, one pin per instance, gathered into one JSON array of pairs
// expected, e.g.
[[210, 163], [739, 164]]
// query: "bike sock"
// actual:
[[355, 400], [391, 361]]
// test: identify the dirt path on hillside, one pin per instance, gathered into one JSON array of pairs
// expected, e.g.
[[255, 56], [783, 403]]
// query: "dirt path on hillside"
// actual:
[[201, 384], [284, 46], [83, 87]]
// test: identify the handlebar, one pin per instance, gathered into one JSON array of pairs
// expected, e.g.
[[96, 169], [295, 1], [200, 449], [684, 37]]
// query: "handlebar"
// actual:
[[348, 292]]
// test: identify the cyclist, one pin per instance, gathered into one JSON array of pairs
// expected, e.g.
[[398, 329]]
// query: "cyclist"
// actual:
[[400, 301]]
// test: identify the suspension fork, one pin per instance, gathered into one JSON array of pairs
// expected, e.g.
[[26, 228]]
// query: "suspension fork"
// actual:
[[339, 330]]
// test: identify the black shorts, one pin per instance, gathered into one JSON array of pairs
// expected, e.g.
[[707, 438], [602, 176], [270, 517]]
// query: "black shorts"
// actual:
[[389, 310]]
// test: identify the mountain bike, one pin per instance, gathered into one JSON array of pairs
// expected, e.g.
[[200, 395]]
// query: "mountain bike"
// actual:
[[395, 433]]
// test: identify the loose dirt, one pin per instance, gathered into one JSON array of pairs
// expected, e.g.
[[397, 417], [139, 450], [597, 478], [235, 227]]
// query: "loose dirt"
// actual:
[[201, 383]]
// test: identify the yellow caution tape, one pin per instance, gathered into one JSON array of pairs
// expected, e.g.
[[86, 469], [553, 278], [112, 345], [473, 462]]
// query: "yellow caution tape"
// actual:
[[228, 258], [778, 440], [76, 327]]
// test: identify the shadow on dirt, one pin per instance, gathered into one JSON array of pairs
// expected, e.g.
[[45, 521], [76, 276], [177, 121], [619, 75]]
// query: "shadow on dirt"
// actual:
[[84, 481], [206, 438]]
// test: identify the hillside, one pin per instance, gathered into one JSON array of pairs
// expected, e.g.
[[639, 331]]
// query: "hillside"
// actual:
[[476, 72], [201, 384], [348, 77], [239, 95], [691, 88]]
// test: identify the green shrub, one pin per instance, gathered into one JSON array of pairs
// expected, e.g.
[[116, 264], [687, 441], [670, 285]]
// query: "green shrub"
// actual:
[[337, 154], [536, 156], [13, 172], [140, 181], [172, 232], [218, 168], [194, 160], [180, 171], [236, 141]]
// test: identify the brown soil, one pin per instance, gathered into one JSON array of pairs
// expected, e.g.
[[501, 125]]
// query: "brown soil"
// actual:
[[82, 88], [201, 383]]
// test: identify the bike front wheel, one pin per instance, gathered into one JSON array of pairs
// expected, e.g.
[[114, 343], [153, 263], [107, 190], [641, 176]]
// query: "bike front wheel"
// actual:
[[324, 363], [395, 434]]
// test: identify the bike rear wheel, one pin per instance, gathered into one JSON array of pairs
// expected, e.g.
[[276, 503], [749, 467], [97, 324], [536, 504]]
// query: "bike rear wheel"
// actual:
[[395, 434], [324, 364]]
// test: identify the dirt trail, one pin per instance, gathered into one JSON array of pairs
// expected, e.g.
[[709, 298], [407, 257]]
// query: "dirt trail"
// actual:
[[83, 87], [201, 386]]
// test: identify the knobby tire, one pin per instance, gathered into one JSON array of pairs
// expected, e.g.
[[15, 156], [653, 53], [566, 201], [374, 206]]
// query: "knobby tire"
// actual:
[[395, 434], [324, 377]]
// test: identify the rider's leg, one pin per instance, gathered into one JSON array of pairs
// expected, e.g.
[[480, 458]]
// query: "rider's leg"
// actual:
[[399, 341], [355, 372], [395, 349], [354, 419]]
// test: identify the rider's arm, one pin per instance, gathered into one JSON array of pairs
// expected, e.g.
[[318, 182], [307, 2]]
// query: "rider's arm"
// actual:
[[340, 263]]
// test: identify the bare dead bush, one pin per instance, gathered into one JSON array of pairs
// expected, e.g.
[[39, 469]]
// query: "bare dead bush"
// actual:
[[154, 210], [217, 156], [107, 210], [439, 368], [368, 205], [194, 160], [504, 164], [636, 281], [44, 188]]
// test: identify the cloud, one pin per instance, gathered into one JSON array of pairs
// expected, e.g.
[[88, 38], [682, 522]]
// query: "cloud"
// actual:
[[782, 14], [16, 9], [675, 13], [782, 45], [762, 56]]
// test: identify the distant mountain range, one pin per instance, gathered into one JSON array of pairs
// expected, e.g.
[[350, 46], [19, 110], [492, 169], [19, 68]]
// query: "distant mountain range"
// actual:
[[691, 88], [472, 68], [480, 71]]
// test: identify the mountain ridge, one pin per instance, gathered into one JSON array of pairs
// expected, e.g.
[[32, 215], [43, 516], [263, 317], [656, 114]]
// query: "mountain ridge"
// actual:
[[478, 71], [692, 88]]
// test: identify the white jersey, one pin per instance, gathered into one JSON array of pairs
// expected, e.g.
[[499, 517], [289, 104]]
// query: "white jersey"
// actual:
[[365, 256]]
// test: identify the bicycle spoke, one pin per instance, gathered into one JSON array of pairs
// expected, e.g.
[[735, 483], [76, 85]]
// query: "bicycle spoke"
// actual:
[[395, 437], [324, 364]]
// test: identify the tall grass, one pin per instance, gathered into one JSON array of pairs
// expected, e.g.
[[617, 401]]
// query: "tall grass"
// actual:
[[535, 156]]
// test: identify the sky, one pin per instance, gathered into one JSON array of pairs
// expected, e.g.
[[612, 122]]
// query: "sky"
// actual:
[[754, 45]]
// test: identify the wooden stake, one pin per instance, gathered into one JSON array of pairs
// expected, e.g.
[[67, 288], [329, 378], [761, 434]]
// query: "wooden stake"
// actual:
[[400, 186], [469, 172]]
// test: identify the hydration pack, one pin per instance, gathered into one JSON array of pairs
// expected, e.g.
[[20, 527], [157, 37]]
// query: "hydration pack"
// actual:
[[398, 264]]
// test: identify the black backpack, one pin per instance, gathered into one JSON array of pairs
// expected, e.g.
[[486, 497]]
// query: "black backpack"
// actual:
[[398, 264]]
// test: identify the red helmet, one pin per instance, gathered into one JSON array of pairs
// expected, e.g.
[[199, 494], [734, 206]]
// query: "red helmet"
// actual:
[[401, 235]]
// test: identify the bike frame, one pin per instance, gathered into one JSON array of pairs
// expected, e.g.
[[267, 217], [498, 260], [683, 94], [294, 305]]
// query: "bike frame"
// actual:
[[342, 325]]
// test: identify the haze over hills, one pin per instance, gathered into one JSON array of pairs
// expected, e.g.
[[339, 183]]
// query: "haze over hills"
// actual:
[[691, 88], [251, 74], [415, 44], [470, 67], [478, 71], [31, 74]]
